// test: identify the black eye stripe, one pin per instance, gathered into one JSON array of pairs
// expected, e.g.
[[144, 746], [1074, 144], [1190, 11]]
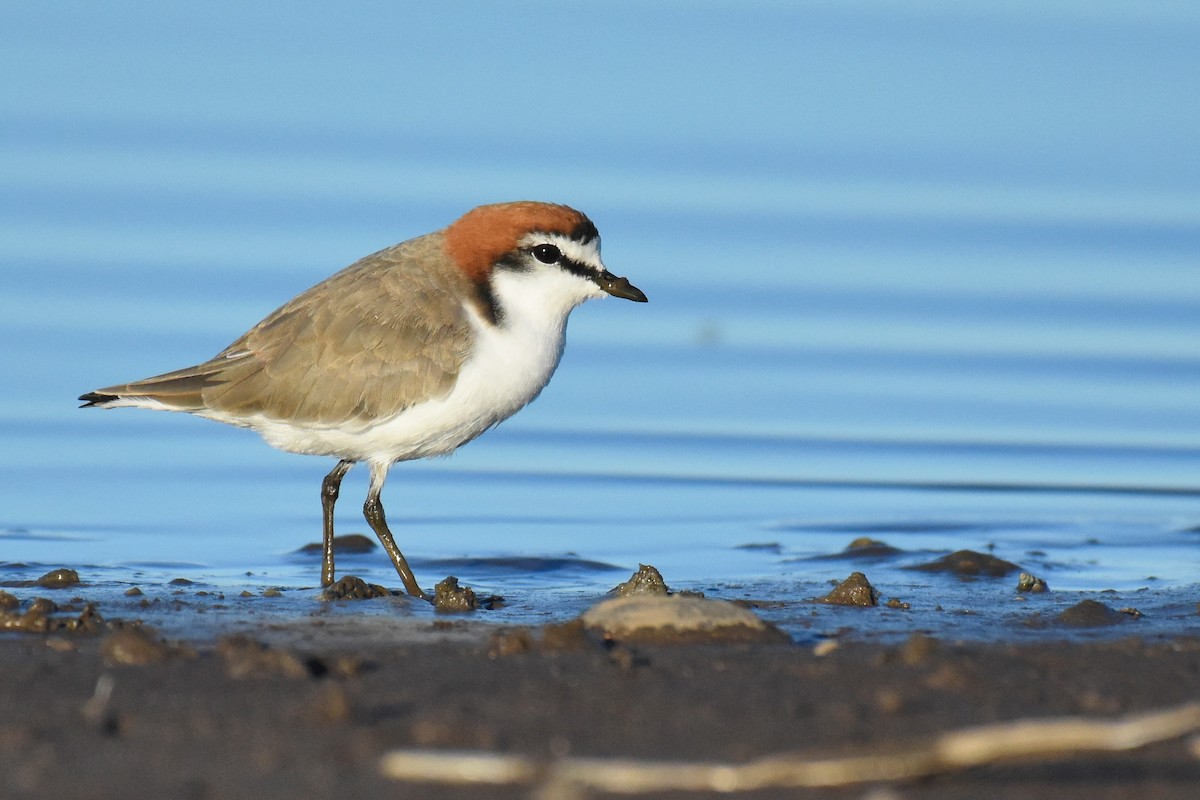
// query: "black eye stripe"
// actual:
[[577, 268], [549, 254]]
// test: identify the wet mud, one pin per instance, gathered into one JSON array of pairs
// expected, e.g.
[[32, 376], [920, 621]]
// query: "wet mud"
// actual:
[[315, 710], [279, 692]]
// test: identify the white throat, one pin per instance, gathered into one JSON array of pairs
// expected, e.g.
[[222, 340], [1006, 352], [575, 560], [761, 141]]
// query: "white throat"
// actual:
[[541, 298]]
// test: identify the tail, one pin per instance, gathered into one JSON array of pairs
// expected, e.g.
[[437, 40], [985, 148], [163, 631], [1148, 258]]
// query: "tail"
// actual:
[[97, 399], [181, 390]]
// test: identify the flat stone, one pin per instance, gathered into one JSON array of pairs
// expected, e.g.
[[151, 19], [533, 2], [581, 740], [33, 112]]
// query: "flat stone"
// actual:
[[674, 618]]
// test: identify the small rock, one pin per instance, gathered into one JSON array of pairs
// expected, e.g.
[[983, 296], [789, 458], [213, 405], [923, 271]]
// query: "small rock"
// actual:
[[677, 618], [331, 705], [1090, 614], [88, 621], [133, 591], [766, 547], [350, 543], [1027, 582], [969, 562], [348, 588], [918, 649], [32, 621], [246, 658], [825, 647], [552, 637], [42, 605], [646, 581], [58, 579], [510, 642], [866, 547], [134, 645], [854, 591], [450, 598], [570, 635], [39, 617]]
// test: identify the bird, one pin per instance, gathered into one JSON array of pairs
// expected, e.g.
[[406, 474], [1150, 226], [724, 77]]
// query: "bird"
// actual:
[[408, 353]]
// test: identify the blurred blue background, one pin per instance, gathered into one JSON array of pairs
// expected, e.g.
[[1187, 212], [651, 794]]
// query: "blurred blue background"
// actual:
[[922, 261]]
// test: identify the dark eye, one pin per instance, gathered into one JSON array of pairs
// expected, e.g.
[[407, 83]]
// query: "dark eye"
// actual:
[[547, 253]]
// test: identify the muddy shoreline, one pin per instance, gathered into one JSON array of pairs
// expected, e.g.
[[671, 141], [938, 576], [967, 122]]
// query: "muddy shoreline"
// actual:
[[309, 704]]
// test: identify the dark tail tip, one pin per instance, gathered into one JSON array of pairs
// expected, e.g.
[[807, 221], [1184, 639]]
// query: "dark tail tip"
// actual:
[[95, 399]]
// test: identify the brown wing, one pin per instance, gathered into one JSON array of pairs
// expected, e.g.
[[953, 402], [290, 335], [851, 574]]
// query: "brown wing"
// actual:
[[383, 334]]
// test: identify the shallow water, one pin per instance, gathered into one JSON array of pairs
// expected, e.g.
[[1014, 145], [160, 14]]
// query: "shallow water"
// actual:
[[962, 312]]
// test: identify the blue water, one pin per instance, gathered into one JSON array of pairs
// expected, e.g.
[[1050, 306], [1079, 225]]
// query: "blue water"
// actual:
[[926, 271]]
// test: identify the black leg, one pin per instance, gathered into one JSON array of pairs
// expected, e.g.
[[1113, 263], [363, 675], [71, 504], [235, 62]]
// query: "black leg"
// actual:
[[373, 511], [329, 495]]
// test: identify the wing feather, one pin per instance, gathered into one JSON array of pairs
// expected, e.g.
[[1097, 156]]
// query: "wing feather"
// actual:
[[386, 333]]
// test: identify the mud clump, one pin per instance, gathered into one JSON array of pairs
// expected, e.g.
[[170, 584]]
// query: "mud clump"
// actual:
[[353, 588], [450, 598], [136, 646], [552, 637], [919, 649], [646, 581], [970, 563], [1028, 582], [58, 579], [676, 619], [348, 544], [1090, 614], [865, 547], [43, 615], [511, 642], [854, 591], [35, 619], [570, 635], [247, 658]]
